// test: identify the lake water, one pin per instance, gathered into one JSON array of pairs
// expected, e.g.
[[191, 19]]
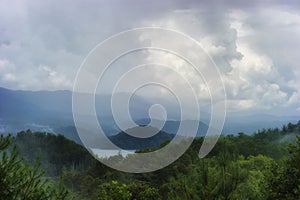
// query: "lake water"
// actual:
[[106, 153]]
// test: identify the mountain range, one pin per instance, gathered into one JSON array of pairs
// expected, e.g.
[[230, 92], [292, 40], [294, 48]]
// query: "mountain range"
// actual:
[[128, 142], [51, 111]]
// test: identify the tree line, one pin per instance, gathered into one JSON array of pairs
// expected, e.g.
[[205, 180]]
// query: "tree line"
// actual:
[[264, 165]]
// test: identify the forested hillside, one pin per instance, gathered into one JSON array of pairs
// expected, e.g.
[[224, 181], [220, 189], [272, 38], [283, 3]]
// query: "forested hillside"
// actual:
[[264, 165]]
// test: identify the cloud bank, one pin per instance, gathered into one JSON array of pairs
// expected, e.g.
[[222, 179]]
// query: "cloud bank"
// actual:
[[255, 44]]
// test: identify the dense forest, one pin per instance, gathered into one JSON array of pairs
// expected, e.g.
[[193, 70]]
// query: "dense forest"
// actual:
[[264, 165]]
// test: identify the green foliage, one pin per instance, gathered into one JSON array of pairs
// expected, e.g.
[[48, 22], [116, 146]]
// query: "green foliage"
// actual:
[[284, 182], [54, 152], [22, 181], [132, 191], [261, 166], [143, 191], [114, 191], [239, 167]]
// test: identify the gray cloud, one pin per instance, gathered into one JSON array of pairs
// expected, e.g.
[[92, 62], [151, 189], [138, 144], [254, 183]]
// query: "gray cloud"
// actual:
[[255, 43]]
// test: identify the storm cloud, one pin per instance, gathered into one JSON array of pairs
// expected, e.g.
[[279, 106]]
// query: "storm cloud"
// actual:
[[255, 44]]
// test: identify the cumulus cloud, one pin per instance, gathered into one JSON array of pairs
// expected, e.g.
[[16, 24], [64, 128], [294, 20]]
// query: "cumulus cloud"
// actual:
[[255, 75], [255, 44], [55, 79], [268, 39], [7, 70]]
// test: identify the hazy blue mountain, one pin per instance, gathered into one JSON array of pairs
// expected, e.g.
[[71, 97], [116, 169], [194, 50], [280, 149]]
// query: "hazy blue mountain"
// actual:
[[251, 122], [51, 111], [171, 126], [128, 142], [28, 109]]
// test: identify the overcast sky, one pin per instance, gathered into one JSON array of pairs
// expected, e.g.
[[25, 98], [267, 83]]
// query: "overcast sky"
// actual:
[[256, 44]]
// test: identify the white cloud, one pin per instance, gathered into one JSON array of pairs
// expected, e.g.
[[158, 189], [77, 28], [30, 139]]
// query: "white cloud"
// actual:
[[254, 80], [256, 47], [56, 80], [7, 70], [294, 99], [9, 77], [240, 104]]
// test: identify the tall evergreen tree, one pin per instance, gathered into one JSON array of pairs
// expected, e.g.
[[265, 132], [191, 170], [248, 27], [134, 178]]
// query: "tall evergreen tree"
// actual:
[[22, 181]]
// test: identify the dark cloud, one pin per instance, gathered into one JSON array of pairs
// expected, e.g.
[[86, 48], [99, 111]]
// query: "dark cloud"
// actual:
[[46, 38]]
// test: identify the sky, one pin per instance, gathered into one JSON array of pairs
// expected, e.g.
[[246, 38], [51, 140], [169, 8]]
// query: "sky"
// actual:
[[255, 44]]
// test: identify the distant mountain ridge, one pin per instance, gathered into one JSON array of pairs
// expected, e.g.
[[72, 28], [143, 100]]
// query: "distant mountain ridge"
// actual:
[[128, 142], [40, 110], [51, 111]]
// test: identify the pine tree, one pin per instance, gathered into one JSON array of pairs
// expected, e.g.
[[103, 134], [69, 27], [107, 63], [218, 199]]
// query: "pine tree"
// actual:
[[23, 181]]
